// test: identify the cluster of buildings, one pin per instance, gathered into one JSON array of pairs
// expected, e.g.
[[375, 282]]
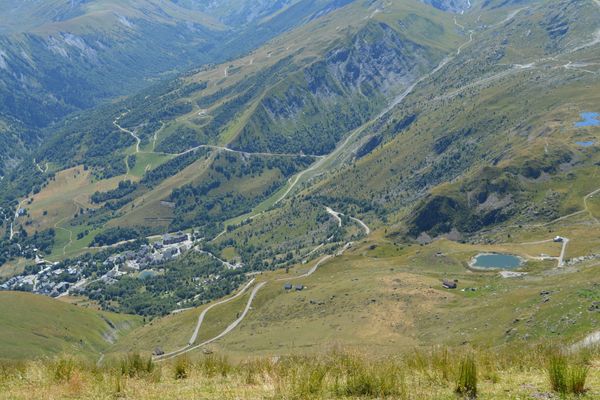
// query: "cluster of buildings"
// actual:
[[50, 279], [170, 247], [55, 279]]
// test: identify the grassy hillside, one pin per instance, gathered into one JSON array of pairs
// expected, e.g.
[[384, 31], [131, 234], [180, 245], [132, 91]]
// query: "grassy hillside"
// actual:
[[383, 297], [36, 326]]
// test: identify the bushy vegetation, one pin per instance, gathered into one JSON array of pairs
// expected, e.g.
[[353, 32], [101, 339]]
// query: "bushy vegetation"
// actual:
[[171, 167], [124, 188], [24, 245], [193, 278], [114, 235], [221, 194]]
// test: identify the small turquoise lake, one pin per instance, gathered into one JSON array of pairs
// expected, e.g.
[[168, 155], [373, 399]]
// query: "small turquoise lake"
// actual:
[[588, 119], [496, 261], [588, 143]]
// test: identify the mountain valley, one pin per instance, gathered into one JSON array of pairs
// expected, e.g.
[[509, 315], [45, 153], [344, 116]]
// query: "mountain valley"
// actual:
[[296, 178]]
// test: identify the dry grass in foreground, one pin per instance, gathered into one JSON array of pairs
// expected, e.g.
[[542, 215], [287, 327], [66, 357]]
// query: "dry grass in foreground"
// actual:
[[536, 373]]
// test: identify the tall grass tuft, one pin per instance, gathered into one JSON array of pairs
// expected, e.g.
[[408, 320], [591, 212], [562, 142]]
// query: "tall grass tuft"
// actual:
[[254, 369], [467, 378], [565, 378], [134, 365], [359, 377], [119, 389], [213, 365], [557, 373], [182, 367], [10, 369], [63, 369], [308, 379], [577, 377]]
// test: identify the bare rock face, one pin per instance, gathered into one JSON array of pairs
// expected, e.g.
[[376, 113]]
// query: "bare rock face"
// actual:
[[455, 6]]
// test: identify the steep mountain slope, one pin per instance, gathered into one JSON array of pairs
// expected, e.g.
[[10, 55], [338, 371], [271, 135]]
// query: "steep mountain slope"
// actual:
[[63, 56], [440, 134], [35, 326], [272, 113], [450, 5], [237, 12]]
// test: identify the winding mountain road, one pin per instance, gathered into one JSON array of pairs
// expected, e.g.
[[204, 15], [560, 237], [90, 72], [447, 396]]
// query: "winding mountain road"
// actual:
[[362, 224], [335, 215], [244, 153], [585, 204], [227, 330], [190, 346], [138, 141], [211, 255], [310, 271], [201, 320]]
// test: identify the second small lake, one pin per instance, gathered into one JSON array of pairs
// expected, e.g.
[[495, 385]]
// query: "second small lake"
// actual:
[[588, 119], [496, 261]]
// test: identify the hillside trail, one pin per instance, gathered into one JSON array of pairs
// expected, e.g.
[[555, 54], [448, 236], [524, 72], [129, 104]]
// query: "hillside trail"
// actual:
[[70, 232], [585, 210], [155, 136], [244, 153], [132, 134], [14, 221]]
